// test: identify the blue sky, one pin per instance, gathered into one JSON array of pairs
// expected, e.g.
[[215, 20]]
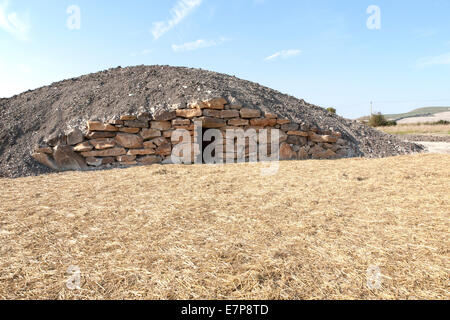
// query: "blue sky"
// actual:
[[318, 50]]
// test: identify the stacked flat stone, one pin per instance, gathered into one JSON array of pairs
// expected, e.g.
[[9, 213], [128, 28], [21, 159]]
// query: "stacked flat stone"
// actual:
[[146, 139]]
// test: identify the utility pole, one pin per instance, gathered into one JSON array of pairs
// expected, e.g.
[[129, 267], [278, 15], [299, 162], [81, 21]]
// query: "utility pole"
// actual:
[[371, 108]]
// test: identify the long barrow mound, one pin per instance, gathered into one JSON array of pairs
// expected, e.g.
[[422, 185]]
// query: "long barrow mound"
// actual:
[[37, 125]]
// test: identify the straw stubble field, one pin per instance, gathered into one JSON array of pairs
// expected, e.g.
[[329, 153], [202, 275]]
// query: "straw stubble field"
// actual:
[[428, 129], [192, 232]]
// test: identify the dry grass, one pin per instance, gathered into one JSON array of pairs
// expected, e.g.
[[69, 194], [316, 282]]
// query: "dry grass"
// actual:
[[417, 129], [194, 232]]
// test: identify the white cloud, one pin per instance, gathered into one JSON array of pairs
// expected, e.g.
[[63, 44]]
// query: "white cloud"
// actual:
[[180, 11], [195, 45], [443, 59], [284, 54], [12, 23], [142, 53], [424, 33]]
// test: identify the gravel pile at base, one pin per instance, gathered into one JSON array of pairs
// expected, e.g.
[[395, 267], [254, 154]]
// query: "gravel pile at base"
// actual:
[[27, 119], [425, 138]]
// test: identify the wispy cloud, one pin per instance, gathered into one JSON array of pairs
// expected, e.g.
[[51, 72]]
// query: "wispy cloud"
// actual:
[[142, 53], [283, 54], [199, 44], [12, 23], [443, 59], [180, 11], [424, 33]]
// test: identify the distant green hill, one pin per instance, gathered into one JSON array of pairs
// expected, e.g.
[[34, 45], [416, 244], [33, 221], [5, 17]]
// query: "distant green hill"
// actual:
[[421, 112]]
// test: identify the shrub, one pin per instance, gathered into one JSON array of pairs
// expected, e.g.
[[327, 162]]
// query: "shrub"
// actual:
[[390, 123], [331, 110], [377, 120], [441, 122]]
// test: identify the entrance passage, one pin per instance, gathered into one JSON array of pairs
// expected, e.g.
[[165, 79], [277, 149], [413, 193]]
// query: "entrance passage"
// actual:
[[205, 144]]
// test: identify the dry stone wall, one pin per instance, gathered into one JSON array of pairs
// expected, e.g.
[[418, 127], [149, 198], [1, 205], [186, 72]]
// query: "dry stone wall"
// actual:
[[147, 138]]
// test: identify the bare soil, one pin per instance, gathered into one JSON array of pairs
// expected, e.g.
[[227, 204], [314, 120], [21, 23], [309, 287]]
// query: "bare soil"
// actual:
[[434, 118], [436, 147]]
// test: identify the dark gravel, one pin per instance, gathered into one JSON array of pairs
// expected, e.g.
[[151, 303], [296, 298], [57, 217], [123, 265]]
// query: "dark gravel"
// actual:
[[28, 118]]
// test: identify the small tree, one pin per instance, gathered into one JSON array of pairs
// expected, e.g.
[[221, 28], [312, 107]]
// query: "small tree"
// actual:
[[377, 120], [331, 110]]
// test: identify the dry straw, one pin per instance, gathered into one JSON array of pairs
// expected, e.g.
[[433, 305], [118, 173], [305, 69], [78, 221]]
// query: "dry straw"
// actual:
[[194, 232], [443, 129]]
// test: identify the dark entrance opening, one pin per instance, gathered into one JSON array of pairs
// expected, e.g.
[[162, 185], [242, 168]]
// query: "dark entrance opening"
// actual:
[[205, 144]]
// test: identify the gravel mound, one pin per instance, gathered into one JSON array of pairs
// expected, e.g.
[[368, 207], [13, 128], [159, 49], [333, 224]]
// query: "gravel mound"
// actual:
[[27, 119]]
